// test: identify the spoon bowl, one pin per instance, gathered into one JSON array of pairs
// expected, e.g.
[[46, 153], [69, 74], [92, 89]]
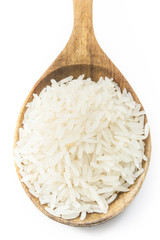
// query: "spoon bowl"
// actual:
[[83, 55]]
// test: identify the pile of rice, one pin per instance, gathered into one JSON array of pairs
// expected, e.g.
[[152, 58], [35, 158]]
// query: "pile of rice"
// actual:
[[80, 145]]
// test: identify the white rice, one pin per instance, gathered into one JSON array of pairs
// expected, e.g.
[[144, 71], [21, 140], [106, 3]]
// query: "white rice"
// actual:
[[81, 143]]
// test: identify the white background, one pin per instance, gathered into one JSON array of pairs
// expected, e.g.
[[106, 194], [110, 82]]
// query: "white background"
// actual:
[[32, 34]]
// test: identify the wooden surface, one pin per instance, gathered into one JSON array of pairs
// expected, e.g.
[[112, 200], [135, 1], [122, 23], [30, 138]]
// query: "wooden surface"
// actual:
[[83, 55]]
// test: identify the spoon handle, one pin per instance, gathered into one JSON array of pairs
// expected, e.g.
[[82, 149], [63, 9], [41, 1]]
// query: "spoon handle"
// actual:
[[83, 39], [83, 25], [82, 47]]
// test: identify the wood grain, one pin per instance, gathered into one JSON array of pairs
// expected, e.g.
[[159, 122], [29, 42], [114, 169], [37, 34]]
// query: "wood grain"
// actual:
[[83, 55]]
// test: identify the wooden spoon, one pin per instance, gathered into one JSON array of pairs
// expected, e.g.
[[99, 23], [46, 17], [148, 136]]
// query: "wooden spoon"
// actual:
[[83, 55]]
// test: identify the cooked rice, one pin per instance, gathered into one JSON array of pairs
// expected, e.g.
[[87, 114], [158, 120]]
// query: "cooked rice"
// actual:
[[81, 143]]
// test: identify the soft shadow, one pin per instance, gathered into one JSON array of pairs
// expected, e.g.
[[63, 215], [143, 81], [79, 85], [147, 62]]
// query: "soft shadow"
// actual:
[[104, 227]]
